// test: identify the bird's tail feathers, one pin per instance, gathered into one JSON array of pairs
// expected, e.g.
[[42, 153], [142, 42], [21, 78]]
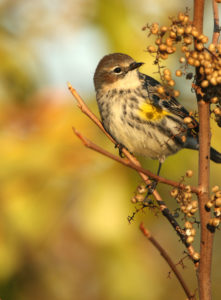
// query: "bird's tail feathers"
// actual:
[[215, 156]]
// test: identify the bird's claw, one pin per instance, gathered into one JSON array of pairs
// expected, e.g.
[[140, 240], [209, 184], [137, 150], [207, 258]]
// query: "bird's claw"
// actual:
[[120, 148]]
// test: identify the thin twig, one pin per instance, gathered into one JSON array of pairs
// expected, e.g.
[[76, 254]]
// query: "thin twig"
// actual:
[[126, 162], [168, 260], [216, 29]]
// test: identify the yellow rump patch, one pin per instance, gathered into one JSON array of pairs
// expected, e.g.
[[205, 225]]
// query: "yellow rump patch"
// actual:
[[151, 113]]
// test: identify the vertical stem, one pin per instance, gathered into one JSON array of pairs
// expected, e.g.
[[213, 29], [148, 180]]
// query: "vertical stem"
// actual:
[[198, 14], [216, 30], [206, 239]]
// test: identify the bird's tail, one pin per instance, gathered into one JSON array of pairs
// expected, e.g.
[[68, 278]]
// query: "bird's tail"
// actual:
[[215, 156]]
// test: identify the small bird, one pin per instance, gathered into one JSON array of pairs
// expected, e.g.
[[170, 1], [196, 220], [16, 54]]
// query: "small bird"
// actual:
[[137, 116]]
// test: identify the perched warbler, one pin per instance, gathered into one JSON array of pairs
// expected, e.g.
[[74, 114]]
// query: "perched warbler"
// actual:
[[137, 116]]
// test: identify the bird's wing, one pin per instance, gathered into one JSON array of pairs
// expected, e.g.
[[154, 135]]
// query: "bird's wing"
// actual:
[[169, 103]]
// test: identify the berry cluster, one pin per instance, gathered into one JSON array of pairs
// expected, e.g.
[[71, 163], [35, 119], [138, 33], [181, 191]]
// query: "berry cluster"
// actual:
[[190, 232], [184, 198], [192, 43], [140, 193], [215, 203]]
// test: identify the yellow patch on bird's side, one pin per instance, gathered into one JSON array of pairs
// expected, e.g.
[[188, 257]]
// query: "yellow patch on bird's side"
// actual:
[[149, 112]]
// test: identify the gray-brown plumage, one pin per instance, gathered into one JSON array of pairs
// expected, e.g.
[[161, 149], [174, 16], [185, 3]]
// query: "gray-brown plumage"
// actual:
[[136, 115]]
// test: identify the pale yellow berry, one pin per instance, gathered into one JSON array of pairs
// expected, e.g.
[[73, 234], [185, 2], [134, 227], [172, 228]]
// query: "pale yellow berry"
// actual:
[[188, 225], [171, 50], [193, 211], [208, 70], [196, 256], [187, 187], [214, 100], [188, 40], [182, 59], [158, 41], [217, 211], [164, 55], [167, 77], [171, 82], [142, 189], [212, 47], [199, 46], [187, 120], [186, 19], [217, 111], [188, 29], [218, 194], [152, 49], [195, 204], [194, 33], [181, 16], [201, 70], [190, 239], [167, 72], [193, 231], [140, 197], [134, 200], [196, 63], [189, 207], [218, 202], [183, 138], [169, 42], [178, 73], [160, 90], [189, 173], [162, 47], [154, 28], [215, 188], [163, 28], [204, 83], [204, 39], [172, 34], [209, 204], [188, 232], [180, 30], [219, 48], [184, 48], [176, 93], [214, 222], [174, 193], [191, 61]]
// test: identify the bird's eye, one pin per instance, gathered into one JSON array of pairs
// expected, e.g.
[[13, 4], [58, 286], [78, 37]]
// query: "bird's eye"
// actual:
[[117, 70]]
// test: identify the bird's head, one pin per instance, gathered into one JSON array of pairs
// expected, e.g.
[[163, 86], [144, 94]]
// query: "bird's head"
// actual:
[[116, 70]]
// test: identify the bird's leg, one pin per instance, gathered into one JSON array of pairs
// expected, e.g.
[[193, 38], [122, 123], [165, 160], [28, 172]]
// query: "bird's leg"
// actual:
[[120, 148], [152, 186]]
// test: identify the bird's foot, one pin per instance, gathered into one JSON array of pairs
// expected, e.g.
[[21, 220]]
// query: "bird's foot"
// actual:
[[120, 148]]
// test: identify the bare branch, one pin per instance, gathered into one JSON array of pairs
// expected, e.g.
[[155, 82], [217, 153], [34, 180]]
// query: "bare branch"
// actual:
[[168, 260], [126, 162]]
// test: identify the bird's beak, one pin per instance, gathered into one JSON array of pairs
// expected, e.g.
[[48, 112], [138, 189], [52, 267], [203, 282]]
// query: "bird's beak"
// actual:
[[135, 65]]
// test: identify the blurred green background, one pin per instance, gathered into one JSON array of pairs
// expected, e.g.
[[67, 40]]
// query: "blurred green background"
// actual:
[[64, 233]]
